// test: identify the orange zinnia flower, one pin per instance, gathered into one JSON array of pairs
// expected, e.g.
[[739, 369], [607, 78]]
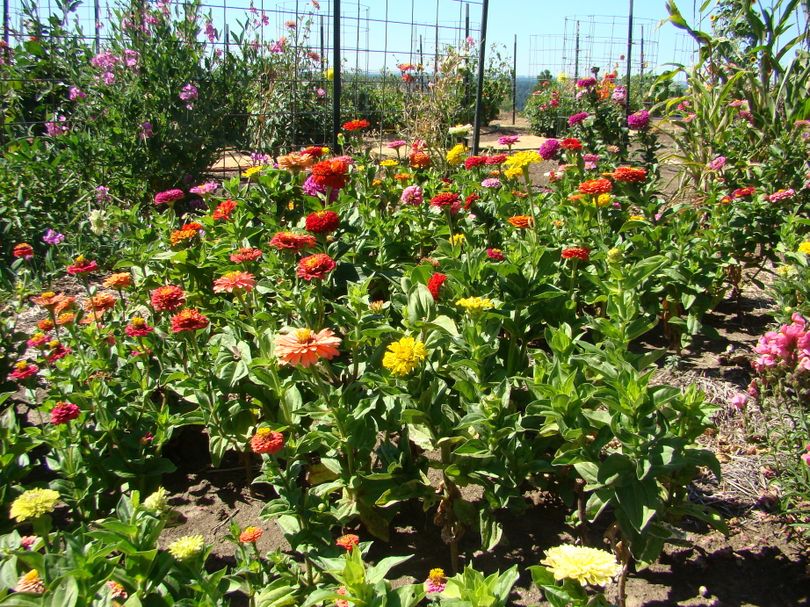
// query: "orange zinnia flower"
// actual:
[[419, 160], [120, 280], [596, 186], [267, 441], [348, 541], [188, 319], [178, 236], [295, 161], [224, 210], [630, 174], [65, 318], [235, 281], [250, 535], [100, 302], [292, 241], [305, 347], [331, 173], [521, 221]]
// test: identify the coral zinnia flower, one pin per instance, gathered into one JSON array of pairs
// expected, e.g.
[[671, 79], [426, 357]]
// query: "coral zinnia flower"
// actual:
[[245, 254], [167, 298], [419, 160], [23, 370], [435, 283], [316, 151], [23, 251], [63, 412], [348, 541], [81, 265], [295, 161], [292, 242], [235, 281], [188, 319], [356, 125], [119, 280], [331, 173], [522, 222], [101, 302], [33, 504], [629, 174], [47, 299], [322, 222], [224, 210], [305, 347], [404, 356], [65, 318], [581, 253], [250, 535], [58, 352], [169, 196], [315, 266], [743, 192], [596, 186], [267, 441], [138, 327]]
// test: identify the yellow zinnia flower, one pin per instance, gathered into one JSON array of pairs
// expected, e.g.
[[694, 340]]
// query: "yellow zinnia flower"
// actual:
[[388, 162], [157, 502], [603, 200], [805, 247], [636, 218], [404, 356], [586, 565], [33, 504], [187, 547], [519, 160], [457, 240], [475, 304], [456, 154], [252, 171]]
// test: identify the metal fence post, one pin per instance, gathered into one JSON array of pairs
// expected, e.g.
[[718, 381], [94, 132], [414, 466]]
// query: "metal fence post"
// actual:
[[514, 80], [97, 17], [480, 88], [629, 56], [6, 19], [335, 74]]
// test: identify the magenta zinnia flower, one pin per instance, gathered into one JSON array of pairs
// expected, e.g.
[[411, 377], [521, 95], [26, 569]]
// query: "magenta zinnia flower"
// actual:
[[169, 196]]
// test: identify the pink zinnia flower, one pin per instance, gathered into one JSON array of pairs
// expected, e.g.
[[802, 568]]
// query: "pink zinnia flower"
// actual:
[[305, 347], [412, 195], [169, 196], [64, 412], [235, 281]]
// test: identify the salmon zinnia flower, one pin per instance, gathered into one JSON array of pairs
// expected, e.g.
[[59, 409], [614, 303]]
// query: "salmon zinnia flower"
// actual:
[[119, 280], [188, 319], [305, 347], [235, 281], [100, 302], [291, 241], [348, 541], [267, 441], [168, 298], [315, 266], [596, 186], [521, 221], [245, 254], [250, 535], [47, 299], [295, 161]]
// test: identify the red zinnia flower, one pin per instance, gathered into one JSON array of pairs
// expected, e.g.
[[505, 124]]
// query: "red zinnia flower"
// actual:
[[267, 441], [58, 352], [331, 173], [495, 254], [322, 222], [445, 199], [348, 541], [81, 266], [496, 159], [224, 209], [188, 319], [474, 161], [596, 186], [292, 241], [138, 327], [630, 174], [435, 283], [743, 192], [315, 151], [23, 370], [356, 125], [581, 253], [571, 144], [64, 412], [315, 266], [468, 202], [167, 298], [245, 254], [23, 251]]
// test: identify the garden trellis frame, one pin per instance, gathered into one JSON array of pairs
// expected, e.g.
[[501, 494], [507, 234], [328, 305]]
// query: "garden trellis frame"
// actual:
[[367, 39]]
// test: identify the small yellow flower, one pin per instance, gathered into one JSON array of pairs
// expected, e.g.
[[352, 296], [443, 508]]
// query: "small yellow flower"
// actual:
[[603, 200], [388, 162], [786, 271], [376, 183], [456, 155], [805, 247], [33, 504], [157, 502], [404, 356], [329, 74], [248, 173], [636, 218], [614, 255], [475, 304], [562, 77], [291, 205], [457, 240], [187, 547], [586, 565], [523, 159], [437, 574]]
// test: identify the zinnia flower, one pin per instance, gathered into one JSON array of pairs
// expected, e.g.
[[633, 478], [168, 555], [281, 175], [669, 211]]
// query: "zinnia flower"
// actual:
[[305, 347], [577, 118], [491, 182], [571, 144], [455, 154], [348, 541], [412, 195], [33, 504], [356, 125], [187, 547], [188, 319], [630, 174], [743, 192], [404, 356], [204, 189], [64, 412], [595, 187], [521, 221], [250, 535], [435, 283], [509, 140], [475, 304], [445, 199], [30, 583], [235, 281], [436, 581], [549, 149], [117, 591], [639, 121], [245, 254], [331, 173], [315, 266], [586, 565], [295, 161], [581, 253], [521, 160], [474, 161], [101, 302], [52, 237], [23, 251], [267, 441], [419, 160], [23, 370], [167, 298], [81, 265], [138, 327], [495, 254], [169, 196], [781, 195], [224, 210], [119, 280], [290, 241], [322, 222], [158, 501]]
